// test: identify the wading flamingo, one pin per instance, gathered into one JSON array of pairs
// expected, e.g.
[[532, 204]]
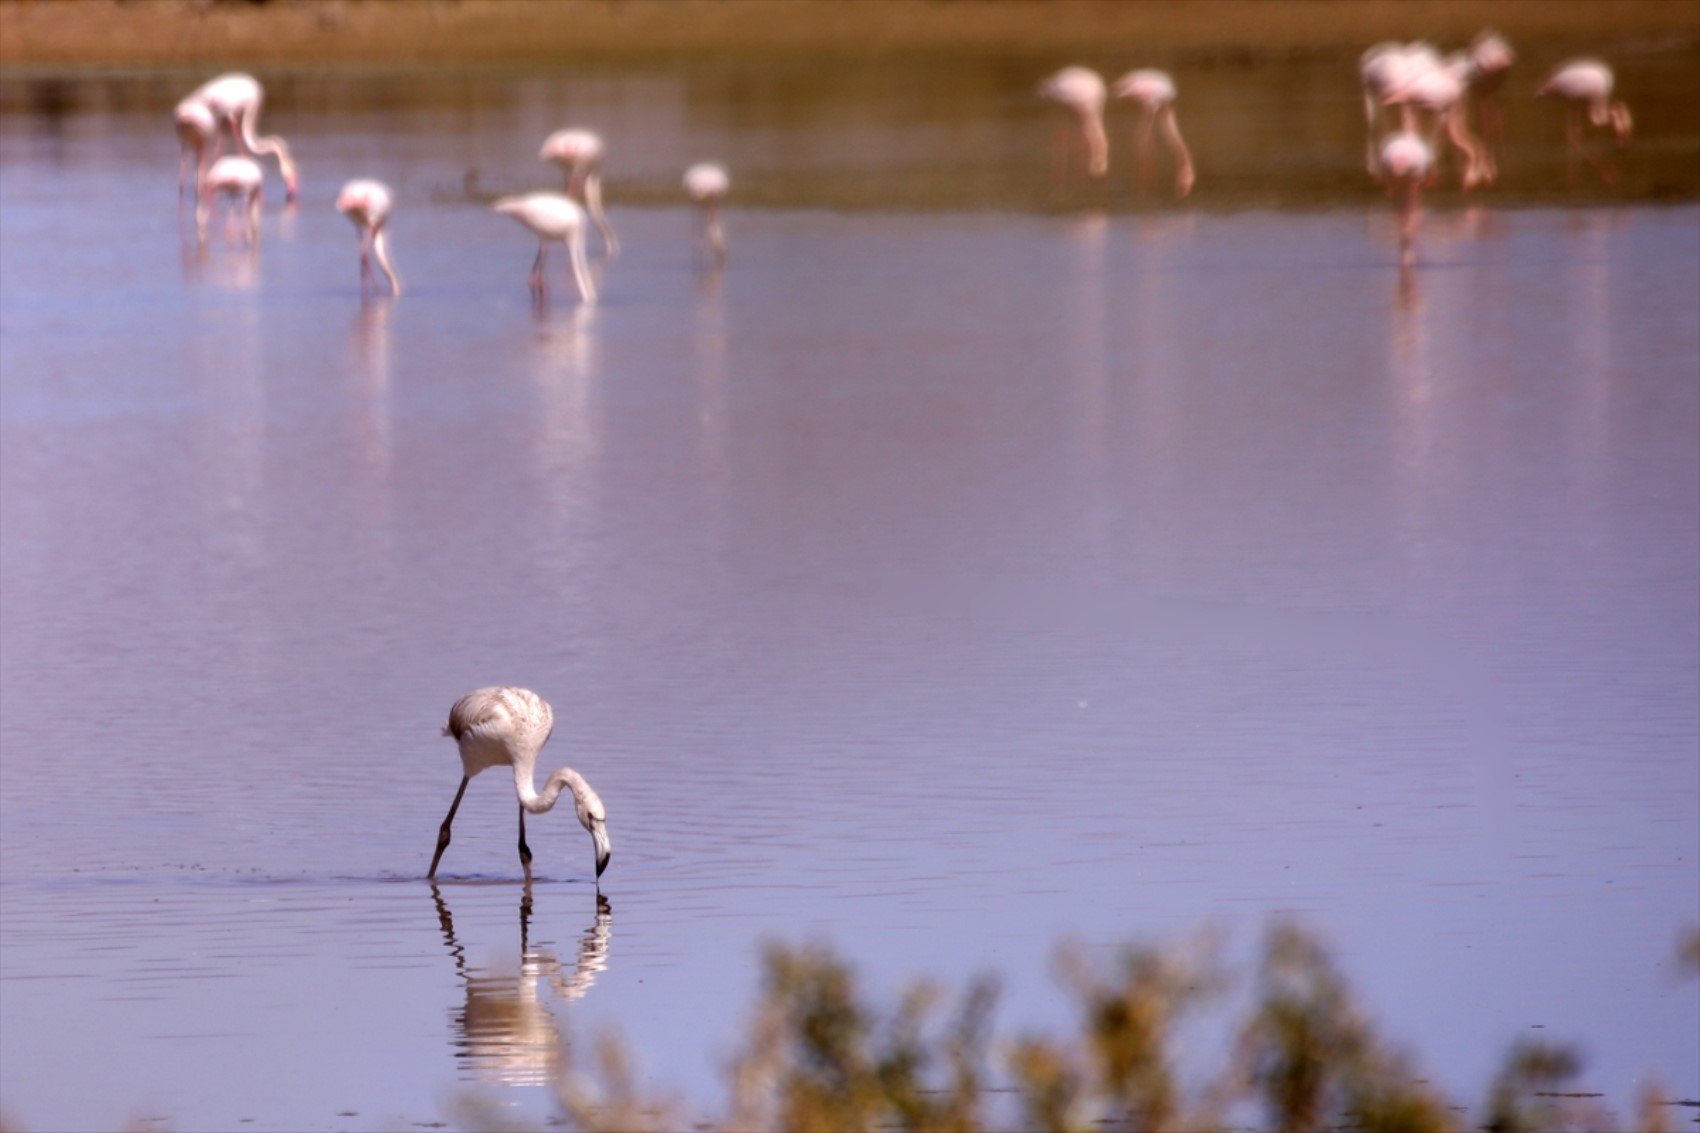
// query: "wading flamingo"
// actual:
[[1490, 58], [550, 216], [367, 204], [498, 727], [1405, 163], [235, 101], [1585, 85], [579, 153], [197, 128], [1154, 91], [1081, 91], [707, 184], [1437, 86], [239, 180], [1383, 69]]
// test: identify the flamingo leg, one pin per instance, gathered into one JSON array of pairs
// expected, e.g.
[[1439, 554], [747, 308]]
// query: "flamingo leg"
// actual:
[[1184, 175], [537, 268], [443, 831], [524, 850], [581, 268]]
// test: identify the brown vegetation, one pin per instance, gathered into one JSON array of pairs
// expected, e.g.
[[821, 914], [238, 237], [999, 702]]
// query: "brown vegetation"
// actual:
[[62, 34]]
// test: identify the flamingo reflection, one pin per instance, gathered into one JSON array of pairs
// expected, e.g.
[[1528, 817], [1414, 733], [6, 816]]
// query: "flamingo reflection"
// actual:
[[506, 1032]]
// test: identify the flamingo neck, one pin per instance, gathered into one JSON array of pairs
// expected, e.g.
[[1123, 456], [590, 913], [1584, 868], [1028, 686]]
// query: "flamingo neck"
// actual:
[[536, 802]]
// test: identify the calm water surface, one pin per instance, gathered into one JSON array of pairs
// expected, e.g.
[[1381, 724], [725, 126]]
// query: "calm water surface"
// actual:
[[940, 584]]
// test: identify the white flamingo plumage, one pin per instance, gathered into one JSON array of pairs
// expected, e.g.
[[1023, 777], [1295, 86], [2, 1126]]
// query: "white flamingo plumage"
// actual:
[[504, 726], [1405, 162], [707, 184], [235, 100], [579, 153], [552, 218], [237, 179], [1081, 90], [367, 204], [197, 129], [1154, 92], [1586, 86]]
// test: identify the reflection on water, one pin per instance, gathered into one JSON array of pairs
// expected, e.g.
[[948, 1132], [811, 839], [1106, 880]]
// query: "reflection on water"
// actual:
[[506, 1032]]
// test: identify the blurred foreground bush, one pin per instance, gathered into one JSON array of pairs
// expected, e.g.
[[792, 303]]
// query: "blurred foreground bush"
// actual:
[[818, 1058]]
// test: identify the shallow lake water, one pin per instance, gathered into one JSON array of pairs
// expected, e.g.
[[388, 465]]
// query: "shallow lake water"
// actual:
[[1028, 562]]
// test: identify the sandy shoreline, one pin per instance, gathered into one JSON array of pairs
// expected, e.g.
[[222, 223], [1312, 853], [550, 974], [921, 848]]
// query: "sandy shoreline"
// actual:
[[72, 35]]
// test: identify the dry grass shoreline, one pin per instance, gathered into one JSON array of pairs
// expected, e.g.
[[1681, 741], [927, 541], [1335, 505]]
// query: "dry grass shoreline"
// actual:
[[79, 35]]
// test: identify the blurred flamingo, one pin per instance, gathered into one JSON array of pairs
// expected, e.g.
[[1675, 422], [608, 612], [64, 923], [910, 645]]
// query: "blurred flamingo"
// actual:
[[1437, 86], [235, 101], [579, 153], [1404, 163], [552, 217], [509, 726], [1490, 58], [707, 184], [1154, 91], [1081, 91], [197, 128], [239, 180], [1585, 85], [367, 204]]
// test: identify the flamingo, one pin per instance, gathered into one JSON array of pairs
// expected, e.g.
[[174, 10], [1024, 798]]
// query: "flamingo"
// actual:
[[1405, 163], [1383, 69], [579, 153], [1437, 86], [239, 179], [367, 204], [496, 726], [1081, 90], [197, 127], [552, 217], [1490, 58], [707, 184], [1154, 91], [1587, 84], [235, 100]]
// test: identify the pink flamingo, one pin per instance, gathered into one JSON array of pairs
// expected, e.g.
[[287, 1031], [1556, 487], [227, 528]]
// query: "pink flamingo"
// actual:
[[1081, 91], [707, 184], [1490, 58], [1586, 84], [235, 101], [579, 153], [238, 179], [552, 217], [197, 128], [1405, 162], [1383, 69], [1154, 91], [497, 727], [1437, 86], [367, 204]]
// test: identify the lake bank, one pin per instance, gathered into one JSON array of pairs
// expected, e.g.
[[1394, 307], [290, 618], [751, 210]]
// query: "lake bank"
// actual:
[[83, 34]]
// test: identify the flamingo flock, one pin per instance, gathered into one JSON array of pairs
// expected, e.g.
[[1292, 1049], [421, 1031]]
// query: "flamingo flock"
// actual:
[[1418, 104], [1419, 108]]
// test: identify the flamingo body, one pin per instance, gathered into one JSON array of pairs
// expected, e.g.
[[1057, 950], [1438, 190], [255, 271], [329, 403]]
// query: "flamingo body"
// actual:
[[552, 218], [579, 153], [1405, 162], [235, 101], [1081, 90], [237, 179], [367, 204], [197, 128], [505, 726], [1154, 92], [707, 184]]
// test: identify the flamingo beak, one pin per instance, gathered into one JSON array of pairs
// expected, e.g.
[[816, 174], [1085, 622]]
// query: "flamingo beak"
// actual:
[[604, 850]]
